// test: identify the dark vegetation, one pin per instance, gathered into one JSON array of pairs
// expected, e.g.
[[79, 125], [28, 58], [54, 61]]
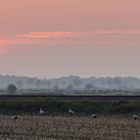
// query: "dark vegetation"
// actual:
[[11, 89], [60, 107]]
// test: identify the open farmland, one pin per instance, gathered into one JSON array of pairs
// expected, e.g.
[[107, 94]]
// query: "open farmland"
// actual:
[[69, 128], [82, 105], [114, 118]]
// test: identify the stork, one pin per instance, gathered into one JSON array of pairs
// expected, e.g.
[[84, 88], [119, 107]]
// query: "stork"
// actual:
[[41, 111], [14, 118], [93, 115], [71, 112]]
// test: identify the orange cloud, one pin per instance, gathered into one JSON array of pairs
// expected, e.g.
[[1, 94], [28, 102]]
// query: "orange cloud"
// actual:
[[2, 46], [48, 35], [67, 37], [51, 34]]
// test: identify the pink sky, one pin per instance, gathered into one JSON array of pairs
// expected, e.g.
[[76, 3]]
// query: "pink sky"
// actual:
[[52, 38]]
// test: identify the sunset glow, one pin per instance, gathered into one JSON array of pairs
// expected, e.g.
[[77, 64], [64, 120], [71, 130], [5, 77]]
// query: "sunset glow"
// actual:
[[2, 46], [50, 38], [95, 37]]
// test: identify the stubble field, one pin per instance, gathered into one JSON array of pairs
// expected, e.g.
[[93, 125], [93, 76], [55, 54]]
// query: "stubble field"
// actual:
[[69, 128]]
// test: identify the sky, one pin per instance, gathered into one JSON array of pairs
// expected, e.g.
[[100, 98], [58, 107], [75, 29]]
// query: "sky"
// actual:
[[54, 38]]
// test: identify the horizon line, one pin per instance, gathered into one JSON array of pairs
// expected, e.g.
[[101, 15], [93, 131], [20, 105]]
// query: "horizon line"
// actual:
[[65, 76]]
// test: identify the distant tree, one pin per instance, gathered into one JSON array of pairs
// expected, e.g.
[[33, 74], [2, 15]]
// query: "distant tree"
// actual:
[[55, 88], [89, 87], [70, 87], [117, 81], [38, 83], [77, 82], [30, 82], [19, 84], [63, 83], [43, 82], [109, 81], [11, 89], [48, 84]]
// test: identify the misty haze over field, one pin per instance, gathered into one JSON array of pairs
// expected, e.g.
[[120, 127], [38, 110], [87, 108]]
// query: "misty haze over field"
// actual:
[[72, 82]]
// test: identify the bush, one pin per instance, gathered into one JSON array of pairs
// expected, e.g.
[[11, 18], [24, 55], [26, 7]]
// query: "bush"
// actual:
[[11, 89]]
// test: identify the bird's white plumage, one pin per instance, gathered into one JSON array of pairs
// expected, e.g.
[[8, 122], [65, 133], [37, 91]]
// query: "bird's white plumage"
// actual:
[[135, 117], [14, 118], [93, 115], [70, 111], [41, 111]]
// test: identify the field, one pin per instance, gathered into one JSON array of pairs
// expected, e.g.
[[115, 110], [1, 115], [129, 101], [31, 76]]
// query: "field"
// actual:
[[69, 128], [57, 105], [114, 118]]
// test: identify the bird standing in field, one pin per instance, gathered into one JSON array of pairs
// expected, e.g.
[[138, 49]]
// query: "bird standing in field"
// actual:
[[93, 116], [71, 112], [41, 111], [14, 118], [135, 117]]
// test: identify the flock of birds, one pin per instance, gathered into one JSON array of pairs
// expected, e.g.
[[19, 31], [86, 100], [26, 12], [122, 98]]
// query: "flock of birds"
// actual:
[[70, 112]]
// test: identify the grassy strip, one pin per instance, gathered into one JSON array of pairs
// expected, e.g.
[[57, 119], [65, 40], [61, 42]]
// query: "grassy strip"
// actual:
[[56, 106]]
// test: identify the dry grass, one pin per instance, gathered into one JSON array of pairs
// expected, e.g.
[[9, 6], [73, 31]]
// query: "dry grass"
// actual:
[[69, 128]]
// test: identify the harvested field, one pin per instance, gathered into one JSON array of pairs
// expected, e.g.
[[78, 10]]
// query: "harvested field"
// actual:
[[69, 128]]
